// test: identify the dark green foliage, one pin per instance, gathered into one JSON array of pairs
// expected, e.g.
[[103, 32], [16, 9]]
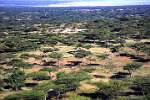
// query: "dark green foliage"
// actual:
[[144, 83], [72, 78], [55, 55], [45, 50], [60, 75], [41, 75], [81, 53], [15, 79], [13, 44], [26, 56], [69, 82], [143, 47], [115, 48], [44, 86], [19, 63], [111, 89], [103, 56], [48, 69]]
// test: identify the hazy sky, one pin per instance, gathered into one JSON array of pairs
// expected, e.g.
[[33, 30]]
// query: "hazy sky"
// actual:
[[68, 3]]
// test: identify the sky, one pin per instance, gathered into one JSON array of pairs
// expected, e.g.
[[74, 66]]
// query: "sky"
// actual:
[[72, 3]]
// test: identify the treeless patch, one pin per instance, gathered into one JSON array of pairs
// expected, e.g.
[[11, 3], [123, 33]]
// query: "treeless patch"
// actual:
[[120, 60], [99, 50], [86, 88]]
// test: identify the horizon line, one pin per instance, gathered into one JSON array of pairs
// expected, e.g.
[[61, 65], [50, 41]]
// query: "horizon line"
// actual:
[[1, 5]]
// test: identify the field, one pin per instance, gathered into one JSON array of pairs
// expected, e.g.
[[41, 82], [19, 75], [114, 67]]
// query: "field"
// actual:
[[106, 58]]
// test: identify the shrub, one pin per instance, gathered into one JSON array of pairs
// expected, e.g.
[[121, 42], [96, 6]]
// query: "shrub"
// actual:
[[114, 48], [55, 55], [39, 76], [60, 74], [44, 86], [103, 56], [72, 78], [26, 56], [127, 53], [22, 64], [48, 69], [111, 89], [47, 50], [87, 46], [81, 53], [19, 63], [62, 88], [15, 79]]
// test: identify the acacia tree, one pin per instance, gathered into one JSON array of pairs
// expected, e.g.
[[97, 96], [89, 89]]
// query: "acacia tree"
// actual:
[[57, 56], [144, 84], [81, 53], [103, 56], [19, 63], [132, 66]]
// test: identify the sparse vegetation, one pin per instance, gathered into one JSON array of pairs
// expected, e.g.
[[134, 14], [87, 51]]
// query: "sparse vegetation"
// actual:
[[75, 53], [132, 66]]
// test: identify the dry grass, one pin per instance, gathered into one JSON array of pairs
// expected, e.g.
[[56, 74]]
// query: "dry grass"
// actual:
[[97, 50], [143, 71], [86, 87]]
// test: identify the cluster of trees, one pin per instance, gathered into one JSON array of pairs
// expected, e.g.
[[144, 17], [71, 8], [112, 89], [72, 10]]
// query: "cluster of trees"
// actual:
[[64, 83]]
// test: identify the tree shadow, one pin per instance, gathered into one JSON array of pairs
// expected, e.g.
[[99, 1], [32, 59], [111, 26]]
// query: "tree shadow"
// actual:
[[96, 96], [49, 63], [73, 63], [119, 75]]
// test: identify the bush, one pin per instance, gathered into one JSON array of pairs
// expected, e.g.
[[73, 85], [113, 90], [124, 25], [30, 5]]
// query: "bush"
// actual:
[[48, 69], [114, 48], [55, 55], [22, 64], [47, 50], [44, 86], [81, 53], [111, 89], [19, 63], [72, 78], [127, 53], [39, 76], [87, 46], [60, 74], [15, 79], [26, 56], [103, 56], [62, 88]]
